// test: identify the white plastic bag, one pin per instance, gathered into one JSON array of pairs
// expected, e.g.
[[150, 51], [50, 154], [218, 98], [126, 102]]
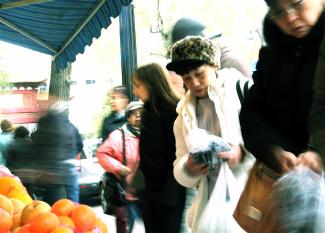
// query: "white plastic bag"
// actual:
[[217, 215]]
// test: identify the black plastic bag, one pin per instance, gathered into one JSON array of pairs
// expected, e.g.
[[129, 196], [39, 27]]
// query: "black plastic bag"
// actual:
[[114, 192]]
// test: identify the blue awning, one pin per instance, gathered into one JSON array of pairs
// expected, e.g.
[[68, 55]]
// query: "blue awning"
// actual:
[[60, 28]]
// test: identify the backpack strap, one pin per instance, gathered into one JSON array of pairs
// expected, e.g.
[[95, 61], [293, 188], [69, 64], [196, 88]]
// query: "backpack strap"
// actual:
[[246, 88], [242, 93], [239, 92]]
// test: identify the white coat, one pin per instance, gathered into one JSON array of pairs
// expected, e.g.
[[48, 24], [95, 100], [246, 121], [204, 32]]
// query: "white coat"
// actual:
[[222, 91]]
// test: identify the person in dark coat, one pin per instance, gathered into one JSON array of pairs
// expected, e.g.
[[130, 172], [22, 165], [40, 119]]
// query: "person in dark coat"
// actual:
[[274, 115], [119, 99], [164, 199], [46, 165], [16, 152], [317, 117]]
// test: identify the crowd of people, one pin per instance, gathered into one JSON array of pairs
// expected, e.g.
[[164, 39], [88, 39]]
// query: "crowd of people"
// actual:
[[277, 128]]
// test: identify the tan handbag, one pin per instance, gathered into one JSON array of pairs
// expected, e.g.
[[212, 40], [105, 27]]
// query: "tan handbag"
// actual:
[[253, 211]]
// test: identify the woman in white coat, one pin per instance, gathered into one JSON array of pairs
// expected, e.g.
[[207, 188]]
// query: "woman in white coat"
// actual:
[[211, 103]]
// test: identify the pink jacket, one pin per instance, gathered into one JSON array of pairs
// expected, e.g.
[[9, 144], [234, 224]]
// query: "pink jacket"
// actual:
[[110, 155]]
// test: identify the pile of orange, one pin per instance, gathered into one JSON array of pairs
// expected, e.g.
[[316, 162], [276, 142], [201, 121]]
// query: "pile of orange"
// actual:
[[20, 214], [12, 187]]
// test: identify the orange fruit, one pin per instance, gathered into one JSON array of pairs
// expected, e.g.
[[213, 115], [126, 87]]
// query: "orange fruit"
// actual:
[[8, 183], [66, 222], [15, 230], [101, 225], [61, 229], [63, 207], [5, 221], [17, 204], [33, 209], [84, 218], [21, 195], [16, 220], [25, 229], [11, 187], [44, 223], [6, 204]]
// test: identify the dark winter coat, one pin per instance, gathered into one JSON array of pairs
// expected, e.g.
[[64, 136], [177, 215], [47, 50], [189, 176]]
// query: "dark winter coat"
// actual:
[[318, 109], [276, 110], [112, 122], [157, 154], [50, 157]]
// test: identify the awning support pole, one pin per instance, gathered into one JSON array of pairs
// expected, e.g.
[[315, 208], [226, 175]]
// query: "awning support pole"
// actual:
[[128, 46], [9, 5], [80, 27], [27, 34]]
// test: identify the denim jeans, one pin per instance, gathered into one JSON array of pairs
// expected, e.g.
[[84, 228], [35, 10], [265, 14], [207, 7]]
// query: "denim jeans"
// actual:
[[72, 191], [53, 192], [133, 212]]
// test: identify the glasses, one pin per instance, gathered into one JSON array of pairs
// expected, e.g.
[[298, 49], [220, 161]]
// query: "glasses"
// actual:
[[293, 7]]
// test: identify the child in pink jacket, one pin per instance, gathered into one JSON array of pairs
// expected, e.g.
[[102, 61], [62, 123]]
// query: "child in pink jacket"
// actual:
[[110, 157]]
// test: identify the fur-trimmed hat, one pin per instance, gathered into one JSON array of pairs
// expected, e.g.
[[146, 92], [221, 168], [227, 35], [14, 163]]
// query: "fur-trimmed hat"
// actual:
[[194, 48]]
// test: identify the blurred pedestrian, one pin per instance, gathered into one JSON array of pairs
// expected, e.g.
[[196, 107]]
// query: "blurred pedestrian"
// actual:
[[17, 152], [50, 159], [164, 198], [110, 157], [5, 138], [118, 99]]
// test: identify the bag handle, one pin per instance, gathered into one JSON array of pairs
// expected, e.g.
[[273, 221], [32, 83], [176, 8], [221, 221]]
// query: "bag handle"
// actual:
[[123, 150], [124, 161]]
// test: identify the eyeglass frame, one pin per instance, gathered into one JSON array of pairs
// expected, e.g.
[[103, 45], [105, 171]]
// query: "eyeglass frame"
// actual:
[[293, 7]]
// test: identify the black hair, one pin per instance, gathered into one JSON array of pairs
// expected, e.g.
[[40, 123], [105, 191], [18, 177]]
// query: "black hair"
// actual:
[[187, 66], [21, 132], [186, 27]]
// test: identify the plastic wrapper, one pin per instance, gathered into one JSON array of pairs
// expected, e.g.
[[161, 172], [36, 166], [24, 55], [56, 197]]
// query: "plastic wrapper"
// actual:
[[217, 215], [204, 147], [5, 172], [299, 201]]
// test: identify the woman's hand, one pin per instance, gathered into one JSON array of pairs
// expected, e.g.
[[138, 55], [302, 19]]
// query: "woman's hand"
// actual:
[[195, 169], [312, 160], [287, 160], [233, 156], [124, 170]]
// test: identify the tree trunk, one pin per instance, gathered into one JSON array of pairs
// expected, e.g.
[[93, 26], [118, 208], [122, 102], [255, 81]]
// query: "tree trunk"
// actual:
[[60, 82]]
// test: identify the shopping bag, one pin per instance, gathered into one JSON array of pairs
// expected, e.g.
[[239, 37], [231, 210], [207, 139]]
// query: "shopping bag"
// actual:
[[217, 215], [254, 205], [114, 193]]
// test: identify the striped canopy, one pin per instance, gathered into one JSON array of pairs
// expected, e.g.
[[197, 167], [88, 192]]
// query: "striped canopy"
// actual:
[[60, 28]]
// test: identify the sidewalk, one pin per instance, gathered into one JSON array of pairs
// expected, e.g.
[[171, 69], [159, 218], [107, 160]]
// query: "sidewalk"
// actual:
[[110, 221]]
